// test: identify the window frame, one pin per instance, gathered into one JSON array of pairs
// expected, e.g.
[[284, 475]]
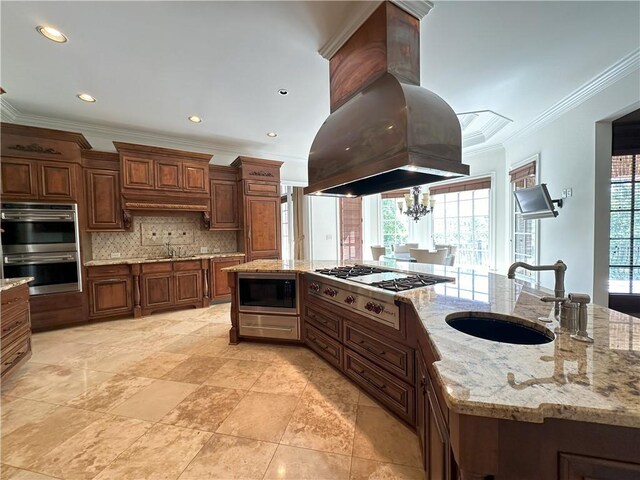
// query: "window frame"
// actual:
[[512, 217]]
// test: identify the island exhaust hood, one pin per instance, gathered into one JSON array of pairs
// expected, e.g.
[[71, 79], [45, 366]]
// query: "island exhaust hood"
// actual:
[[384, 132]]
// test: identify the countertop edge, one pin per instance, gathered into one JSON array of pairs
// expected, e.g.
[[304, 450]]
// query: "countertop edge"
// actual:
[[136, 261], [9, 283]]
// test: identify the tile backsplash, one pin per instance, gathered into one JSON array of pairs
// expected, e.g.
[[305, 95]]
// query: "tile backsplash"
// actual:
[[149, 234]]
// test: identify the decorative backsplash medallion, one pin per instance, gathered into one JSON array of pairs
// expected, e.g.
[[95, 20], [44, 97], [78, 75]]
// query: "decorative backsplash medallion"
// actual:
[[184, 231]]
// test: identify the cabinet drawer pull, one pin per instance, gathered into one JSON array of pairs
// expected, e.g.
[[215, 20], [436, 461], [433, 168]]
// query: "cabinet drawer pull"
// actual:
[[18, 355], [283, 329], [11, 327], [364, 375]]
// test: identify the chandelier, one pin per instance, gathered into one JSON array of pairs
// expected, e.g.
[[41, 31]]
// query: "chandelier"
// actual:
[[416, 208]]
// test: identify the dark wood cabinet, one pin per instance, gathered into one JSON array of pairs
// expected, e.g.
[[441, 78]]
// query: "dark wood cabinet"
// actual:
[[137, 172], [328, 348], [104, 211], [188, 286], [262, 219], [19, 178], [57, 181], [259, 201], [110, 295], [579, 467], [224, 205], [220, 288], [195, 178], [168, 175], [15, 322], [157, 290]]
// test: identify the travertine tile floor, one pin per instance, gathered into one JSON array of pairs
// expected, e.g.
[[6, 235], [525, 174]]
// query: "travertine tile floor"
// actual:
[[166, 397]]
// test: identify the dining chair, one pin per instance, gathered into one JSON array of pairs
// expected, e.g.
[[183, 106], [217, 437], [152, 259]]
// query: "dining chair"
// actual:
[[440, 246], [453, 249], [378, 251], [422, 255], [450, 260], [400, 249]]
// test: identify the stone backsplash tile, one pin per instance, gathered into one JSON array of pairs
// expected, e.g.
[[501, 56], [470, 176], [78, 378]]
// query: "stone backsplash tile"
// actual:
[[149, 235]]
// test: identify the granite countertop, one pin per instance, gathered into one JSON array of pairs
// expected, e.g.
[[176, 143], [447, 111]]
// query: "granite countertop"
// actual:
[[131, 261], [9, 283], [566, 379]]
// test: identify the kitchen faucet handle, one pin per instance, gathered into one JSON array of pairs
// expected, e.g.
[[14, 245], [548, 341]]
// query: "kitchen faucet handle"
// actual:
[[582, 299]]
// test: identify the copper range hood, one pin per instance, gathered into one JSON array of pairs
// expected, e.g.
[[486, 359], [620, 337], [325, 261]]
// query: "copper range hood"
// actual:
[[385, 131]]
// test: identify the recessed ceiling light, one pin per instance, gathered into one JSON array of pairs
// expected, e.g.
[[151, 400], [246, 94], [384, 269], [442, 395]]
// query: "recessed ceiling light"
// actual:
[[272, 134], [51, 33], [283, 91], [195, 119], [85, 97]]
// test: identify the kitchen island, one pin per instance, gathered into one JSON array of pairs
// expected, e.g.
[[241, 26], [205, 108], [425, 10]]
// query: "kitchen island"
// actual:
[[15, 321], [563, 409]]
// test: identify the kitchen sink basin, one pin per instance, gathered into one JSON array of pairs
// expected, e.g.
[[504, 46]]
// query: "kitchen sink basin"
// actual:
[[500, 328]]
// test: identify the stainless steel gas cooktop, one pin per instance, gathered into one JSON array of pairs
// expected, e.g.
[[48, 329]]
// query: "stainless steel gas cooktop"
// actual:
[[349, 287]]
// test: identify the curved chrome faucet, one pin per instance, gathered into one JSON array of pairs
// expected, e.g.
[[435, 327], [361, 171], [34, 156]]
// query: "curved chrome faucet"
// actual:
[[559, 268]]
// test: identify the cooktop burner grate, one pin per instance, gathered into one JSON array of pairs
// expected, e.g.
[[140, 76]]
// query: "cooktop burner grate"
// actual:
[[351, 271], [408, 283]]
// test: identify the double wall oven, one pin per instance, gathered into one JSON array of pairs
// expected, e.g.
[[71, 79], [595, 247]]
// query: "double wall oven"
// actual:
[[42, 241], [269, 305]]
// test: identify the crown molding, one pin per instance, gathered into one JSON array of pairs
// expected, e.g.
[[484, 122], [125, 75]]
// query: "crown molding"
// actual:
[[611, 75], [417, 8], [346, 30], [7, 112], [143, 137], [485, 149]]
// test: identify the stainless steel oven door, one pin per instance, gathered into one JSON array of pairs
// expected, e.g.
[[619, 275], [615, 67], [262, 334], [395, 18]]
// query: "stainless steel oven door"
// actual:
[[52, 272], [268, 293], [33, 227]]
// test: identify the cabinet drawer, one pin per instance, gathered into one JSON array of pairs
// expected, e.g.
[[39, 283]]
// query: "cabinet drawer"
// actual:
[[269, 326], [329, 324], [157, 267], [187, 265], [107, 270], [14, 326], [14, 295], [388, 390], [261, 188], [16, 352], [12, 311], [323, 345], [391, 356]]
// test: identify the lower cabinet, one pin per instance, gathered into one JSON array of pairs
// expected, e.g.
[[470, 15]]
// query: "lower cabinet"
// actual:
[[110, 291], [188, 286], [220, 289], [16, 329], [579, 467]]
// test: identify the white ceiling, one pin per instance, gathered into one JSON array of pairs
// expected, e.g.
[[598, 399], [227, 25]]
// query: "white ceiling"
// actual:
[[152, 64]]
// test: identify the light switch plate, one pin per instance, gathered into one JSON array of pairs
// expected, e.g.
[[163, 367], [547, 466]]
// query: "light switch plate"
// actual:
[[115, 254], [216, 250], [204, 249]]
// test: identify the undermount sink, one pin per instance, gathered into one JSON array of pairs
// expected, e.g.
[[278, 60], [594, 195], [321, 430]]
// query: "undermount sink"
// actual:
[[186, 257], [500, 328]]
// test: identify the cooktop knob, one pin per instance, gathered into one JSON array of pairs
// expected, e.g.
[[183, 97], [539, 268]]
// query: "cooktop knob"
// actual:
[[314, 287], [350, 300], [331, 292]]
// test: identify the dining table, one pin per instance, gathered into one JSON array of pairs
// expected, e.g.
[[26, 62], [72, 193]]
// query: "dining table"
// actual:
[[399, 257]]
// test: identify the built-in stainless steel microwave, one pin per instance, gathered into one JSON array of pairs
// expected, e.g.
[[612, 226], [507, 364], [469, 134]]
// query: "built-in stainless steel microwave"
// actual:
[[268, 293]]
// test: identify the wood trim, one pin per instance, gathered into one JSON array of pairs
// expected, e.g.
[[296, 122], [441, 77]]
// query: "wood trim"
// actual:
[[47, 133], [524, 171], [160, 151], [463, 186], [165, 206]]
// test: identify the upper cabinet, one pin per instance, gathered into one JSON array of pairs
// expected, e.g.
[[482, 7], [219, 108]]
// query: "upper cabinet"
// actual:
[[102, 191], [259, 199], [155, 178], [39, 164], [224, 198]]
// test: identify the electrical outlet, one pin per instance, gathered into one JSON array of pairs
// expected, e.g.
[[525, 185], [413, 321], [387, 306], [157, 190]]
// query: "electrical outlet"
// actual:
[[216, 250], [204, 250], [564, 193], [569, 192], [115, 254]]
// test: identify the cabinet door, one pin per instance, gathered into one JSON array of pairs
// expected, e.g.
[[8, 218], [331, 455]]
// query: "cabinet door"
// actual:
[[195, 177], [157, 290], [102, 188], [57, 181], [437, 451], [422, 408], [137, 172], [168, 175], [224, 205], [110, 296], [578, 467], [19, 179], [263, 227], [220, 280], [188, 286]]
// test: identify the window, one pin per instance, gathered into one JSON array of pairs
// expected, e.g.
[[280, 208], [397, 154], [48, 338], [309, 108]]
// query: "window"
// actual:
[[395, 225], [624, 247], [525, 232], [351, 228], [462, 218]]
